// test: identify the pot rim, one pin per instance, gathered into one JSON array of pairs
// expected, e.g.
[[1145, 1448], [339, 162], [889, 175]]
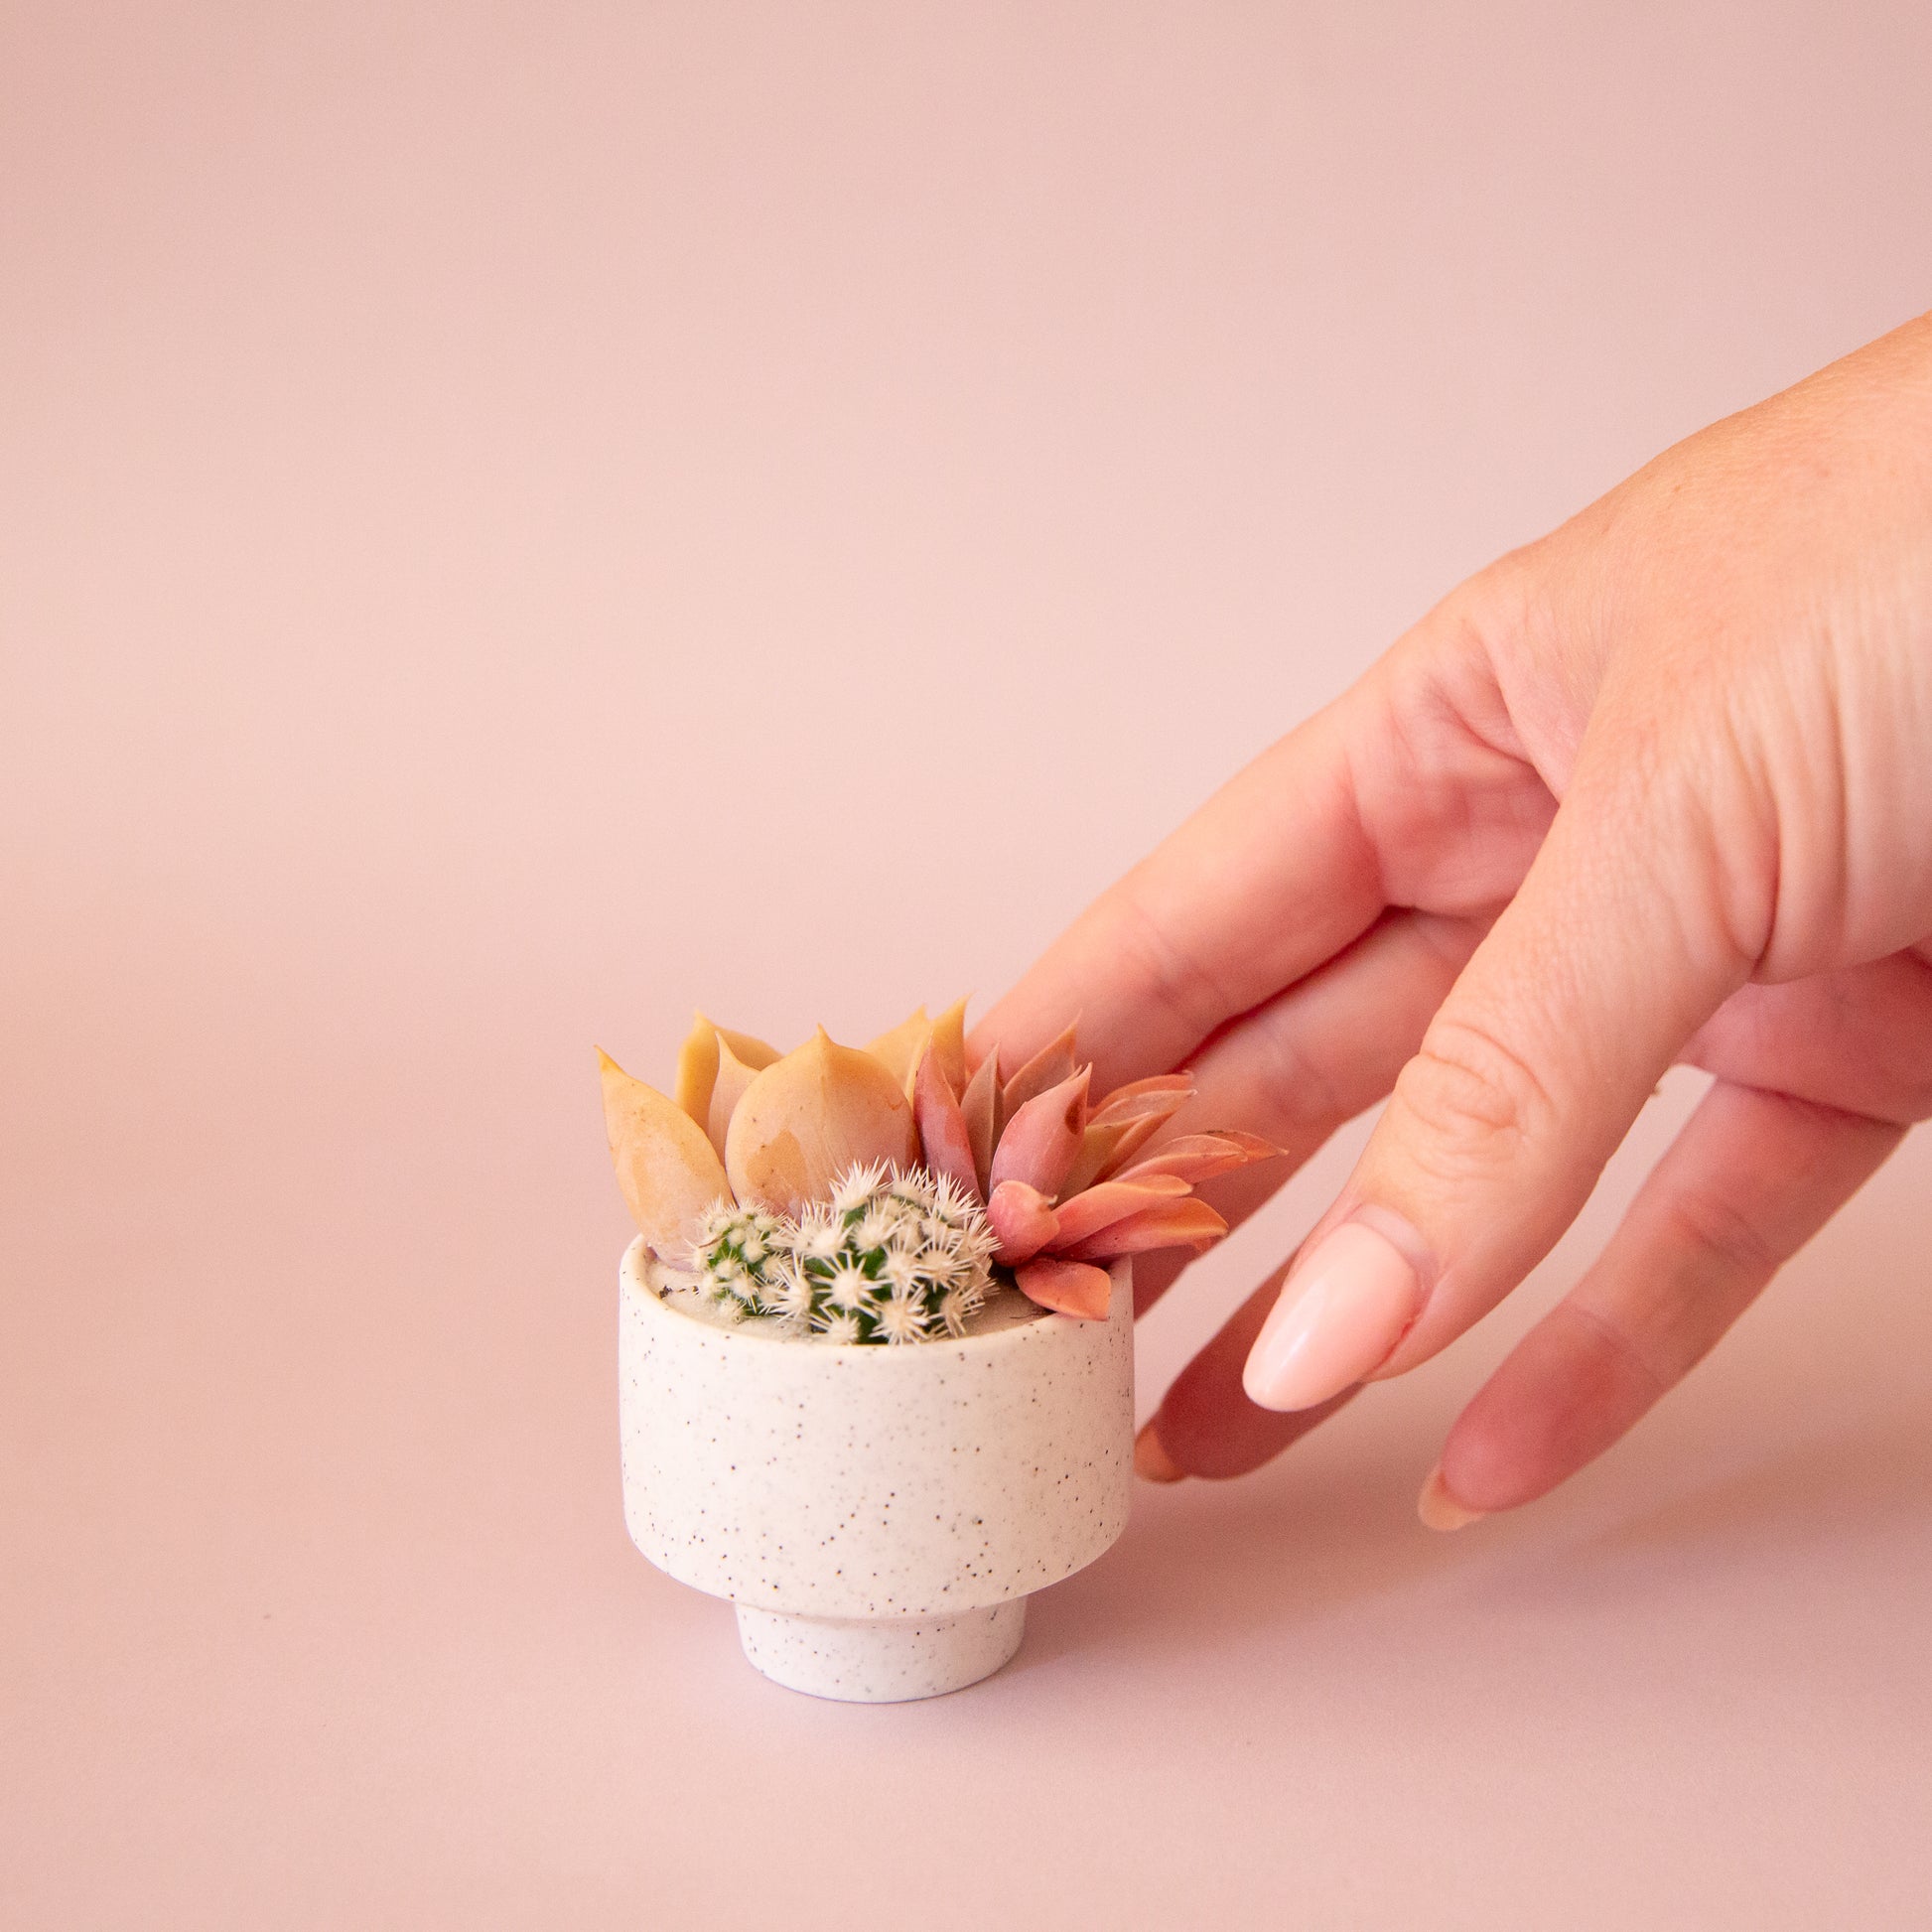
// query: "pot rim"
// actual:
[[637, 1261]]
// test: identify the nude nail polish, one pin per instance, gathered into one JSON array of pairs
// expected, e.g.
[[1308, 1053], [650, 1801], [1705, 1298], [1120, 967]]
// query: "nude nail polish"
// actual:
[[1440, 1510], [1341, 1314]]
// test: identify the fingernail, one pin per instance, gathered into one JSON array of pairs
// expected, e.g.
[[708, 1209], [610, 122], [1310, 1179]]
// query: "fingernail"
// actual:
[[1152, 1463], [1440, 1510], [1341, 1314]]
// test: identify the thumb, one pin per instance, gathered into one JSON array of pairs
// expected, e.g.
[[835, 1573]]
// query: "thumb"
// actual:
[[1618, 945]]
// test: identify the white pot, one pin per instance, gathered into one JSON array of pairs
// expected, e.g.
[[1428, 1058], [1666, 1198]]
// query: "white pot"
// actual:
[[878, 1514]]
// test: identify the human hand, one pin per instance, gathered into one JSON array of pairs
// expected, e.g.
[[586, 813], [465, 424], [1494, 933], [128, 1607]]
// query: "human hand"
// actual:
[[1656, 788]]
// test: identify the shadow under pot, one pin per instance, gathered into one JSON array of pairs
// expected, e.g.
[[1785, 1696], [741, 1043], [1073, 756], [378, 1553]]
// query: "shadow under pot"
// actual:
[[878, 1514]]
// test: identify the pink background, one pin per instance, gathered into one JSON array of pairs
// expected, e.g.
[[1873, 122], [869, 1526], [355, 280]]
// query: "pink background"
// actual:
[[514, 519]]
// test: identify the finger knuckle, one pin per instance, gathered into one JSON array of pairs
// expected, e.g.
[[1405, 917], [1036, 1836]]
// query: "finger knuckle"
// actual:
[[1175, 979], [1710, 1223], [1469, 1089], [1298, 1086], [1616, 1345]]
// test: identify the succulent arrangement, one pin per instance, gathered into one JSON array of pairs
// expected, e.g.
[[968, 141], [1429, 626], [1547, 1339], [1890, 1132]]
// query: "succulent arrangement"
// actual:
[[881, 1194]]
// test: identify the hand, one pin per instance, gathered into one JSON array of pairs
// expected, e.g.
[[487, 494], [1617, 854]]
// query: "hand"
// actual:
[[1656, 788]]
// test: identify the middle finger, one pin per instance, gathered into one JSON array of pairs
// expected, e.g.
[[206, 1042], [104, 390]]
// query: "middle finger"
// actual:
[[1311, 1058]]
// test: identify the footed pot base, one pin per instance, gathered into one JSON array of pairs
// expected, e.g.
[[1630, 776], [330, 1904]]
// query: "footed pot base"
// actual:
[[887, 1660]]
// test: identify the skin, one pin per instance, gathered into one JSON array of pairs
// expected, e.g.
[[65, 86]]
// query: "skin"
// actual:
[[1655, 790]]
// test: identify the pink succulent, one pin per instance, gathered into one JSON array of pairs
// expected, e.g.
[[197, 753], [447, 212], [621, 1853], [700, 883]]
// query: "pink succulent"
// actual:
[[1059, 1175]]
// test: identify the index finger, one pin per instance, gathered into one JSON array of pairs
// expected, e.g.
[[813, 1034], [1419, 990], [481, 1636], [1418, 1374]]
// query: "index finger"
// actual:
[[1272, 876]]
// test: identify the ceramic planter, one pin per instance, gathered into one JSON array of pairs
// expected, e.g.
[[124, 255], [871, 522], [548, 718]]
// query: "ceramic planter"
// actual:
[[879, 1515]]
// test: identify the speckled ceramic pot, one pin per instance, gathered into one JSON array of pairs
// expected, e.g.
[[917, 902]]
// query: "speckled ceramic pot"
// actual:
[[879, 1515]]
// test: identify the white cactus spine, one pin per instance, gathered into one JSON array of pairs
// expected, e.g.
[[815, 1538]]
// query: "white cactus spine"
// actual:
[[892, 1258]]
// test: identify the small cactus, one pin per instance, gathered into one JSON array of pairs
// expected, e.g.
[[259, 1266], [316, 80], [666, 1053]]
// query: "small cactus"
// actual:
[[890, 1258], [737, 1258]]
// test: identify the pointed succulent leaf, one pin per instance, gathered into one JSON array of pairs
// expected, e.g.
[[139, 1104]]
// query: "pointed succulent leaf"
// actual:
[[756, 1053], [1084, 1214], [1023, 1219], [1162, 1093], [1136, 1136], [1042, 1139], [979, 1105], [807, 1118], [1101, 1150], [697, 1069], [1049, 1068], [946, 1147], [1197, 1157], [668, 1171], [1067, 1287], [900, 1050], [726, 1090], [1172, 1224], [949, 1043], [697, 1062], [1133, 1115]]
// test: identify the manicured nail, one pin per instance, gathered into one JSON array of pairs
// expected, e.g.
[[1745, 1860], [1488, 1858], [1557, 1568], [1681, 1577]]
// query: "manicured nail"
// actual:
[[1341, 1314], [1152, 1463], [1440, 1510]]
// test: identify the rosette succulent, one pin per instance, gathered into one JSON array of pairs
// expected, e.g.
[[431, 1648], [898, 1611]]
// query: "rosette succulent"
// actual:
[[880, 1195]]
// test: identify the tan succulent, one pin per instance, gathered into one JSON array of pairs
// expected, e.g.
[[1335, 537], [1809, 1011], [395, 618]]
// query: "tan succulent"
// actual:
[[810, 1116]]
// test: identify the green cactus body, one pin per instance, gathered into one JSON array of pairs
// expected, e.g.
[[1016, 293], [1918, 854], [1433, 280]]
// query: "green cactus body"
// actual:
[[736, 1258], [890, 1258]]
